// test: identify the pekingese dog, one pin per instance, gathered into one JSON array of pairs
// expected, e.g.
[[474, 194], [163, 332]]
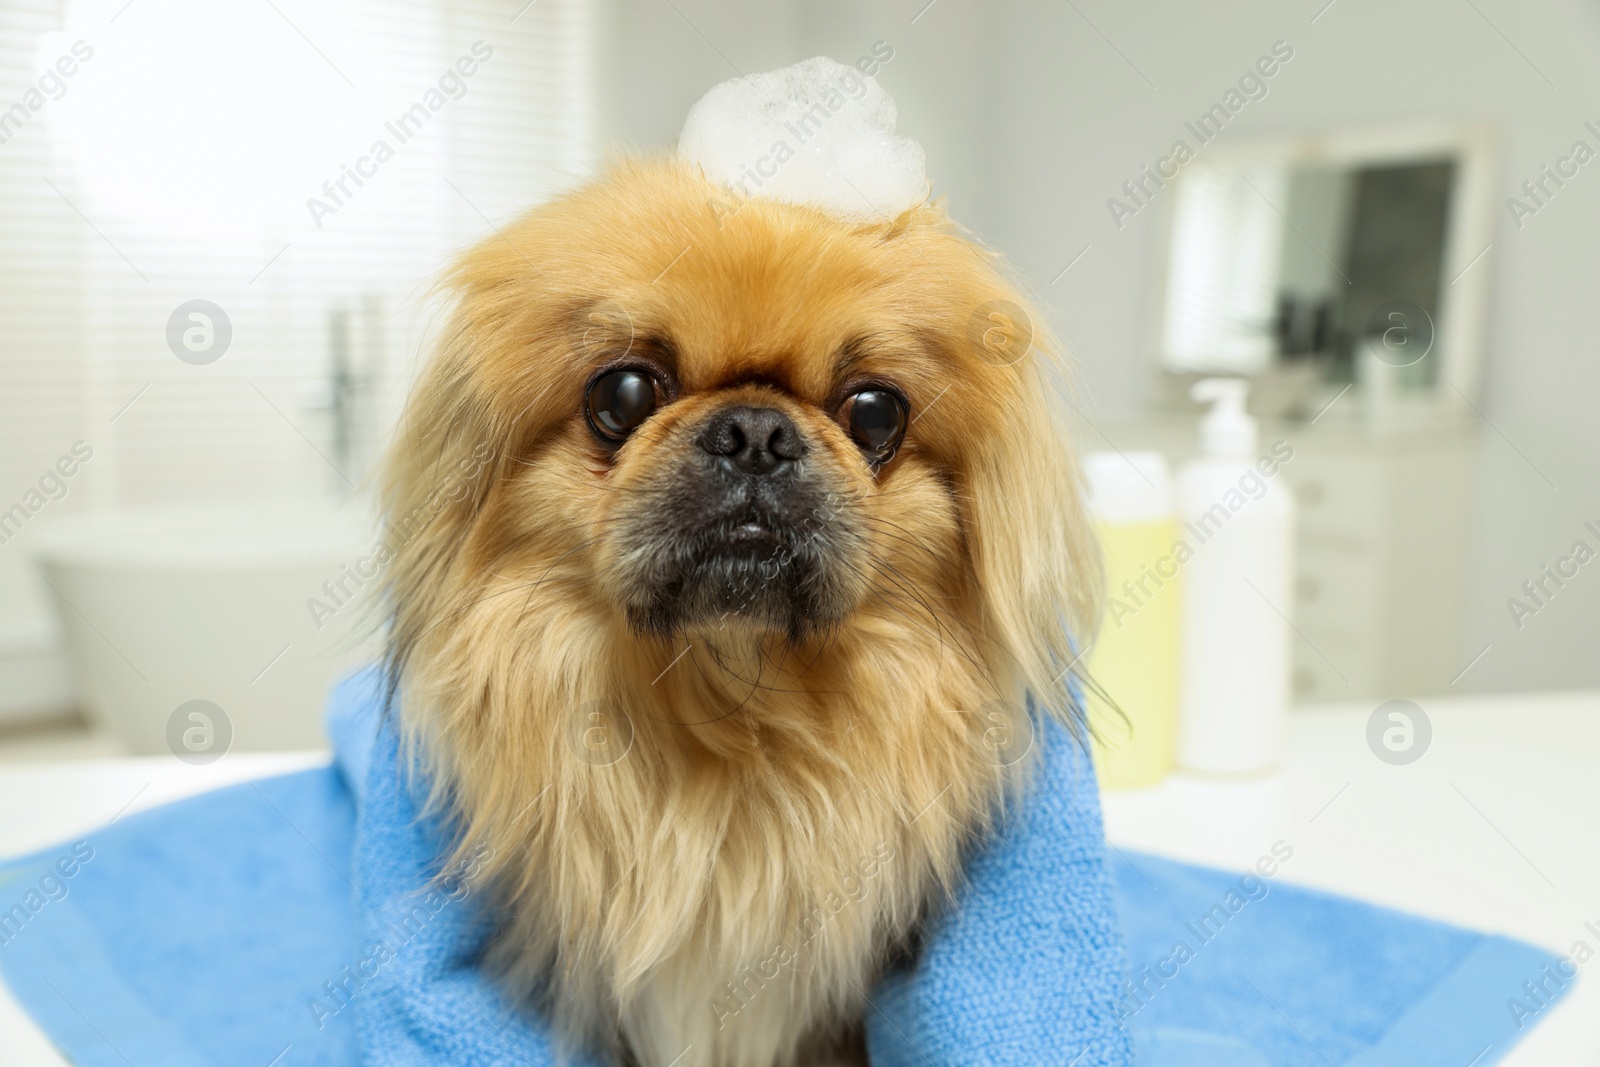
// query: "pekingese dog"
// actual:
[[724, 648]]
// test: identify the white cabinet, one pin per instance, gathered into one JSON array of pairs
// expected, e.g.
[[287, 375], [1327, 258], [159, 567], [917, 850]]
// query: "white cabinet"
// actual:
[[1381, 550]]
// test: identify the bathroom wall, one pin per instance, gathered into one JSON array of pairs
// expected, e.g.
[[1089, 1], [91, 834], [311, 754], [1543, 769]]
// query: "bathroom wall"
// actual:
[[1087, 120], [1035, 113]]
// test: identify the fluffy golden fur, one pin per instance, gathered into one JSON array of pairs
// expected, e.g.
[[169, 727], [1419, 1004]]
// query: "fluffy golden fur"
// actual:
[[710, 835]]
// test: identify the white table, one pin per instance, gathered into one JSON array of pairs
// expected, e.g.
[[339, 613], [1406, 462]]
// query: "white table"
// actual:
[[1497, 827]]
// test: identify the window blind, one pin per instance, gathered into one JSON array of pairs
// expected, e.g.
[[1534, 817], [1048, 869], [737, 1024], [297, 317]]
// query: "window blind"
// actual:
[[306, 167]]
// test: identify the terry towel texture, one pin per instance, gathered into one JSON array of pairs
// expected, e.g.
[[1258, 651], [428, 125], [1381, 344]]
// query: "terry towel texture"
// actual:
[[288, 922]]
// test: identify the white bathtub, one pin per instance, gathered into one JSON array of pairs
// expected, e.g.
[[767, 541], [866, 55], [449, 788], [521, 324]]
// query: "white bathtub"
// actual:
[[165, 605]]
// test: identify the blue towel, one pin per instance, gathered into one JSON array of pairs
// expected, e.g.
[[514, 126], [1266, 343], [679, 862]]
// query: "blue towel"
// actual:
[[290, 922], [1295, 977]]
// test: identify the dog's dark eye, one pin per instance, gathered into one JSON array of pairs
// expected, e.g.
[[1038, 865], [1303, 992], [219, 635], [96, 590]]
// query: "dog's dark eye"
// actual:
[[619, 403], [876, 419]]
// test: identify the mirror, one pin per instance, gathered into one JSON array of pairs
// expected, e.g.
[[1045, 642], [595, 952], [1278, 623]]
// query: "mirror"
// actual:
[[1329, 263]]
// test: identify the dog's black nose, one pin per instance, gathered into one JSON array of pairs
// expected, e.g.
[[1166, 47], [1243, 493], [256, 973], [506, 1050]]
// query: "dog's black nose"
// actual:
[[755, 440]]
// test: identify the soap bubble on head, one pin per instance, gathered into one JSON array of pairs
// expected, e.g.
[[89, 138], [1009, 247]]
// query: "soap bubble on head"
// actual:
[[818, 133]]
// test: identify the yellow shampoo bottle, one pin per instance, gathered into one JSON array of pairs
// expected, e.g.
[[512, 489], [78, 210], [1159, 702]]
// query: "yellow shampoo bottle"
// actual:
[[1134, 660]]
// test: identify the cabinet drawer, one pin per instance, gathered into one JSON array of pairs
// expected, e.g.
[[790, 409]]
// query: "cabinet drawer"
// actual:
[[1339, 496], [1316, 683], [1338, 593], [1329, 671]]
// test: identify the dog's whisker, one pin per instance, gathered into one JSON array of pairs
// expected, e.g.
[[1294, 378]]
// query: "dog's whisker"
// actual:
[[942, 631]]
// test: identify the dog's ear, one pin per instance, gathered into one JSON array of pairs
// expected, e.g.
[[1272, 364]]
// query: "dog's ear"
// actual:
[[443, 462], [1034, 554], [466, 423]]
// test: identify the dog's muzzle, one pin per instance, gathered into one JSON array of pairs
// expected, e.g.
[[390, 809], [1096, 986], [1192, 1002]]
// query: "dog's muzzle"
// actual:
[[743, 529]]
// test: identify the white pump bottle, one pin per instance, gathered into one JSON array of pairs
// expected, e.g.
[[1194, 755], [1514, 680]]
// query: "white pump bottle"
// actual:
[[1238, 523]]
